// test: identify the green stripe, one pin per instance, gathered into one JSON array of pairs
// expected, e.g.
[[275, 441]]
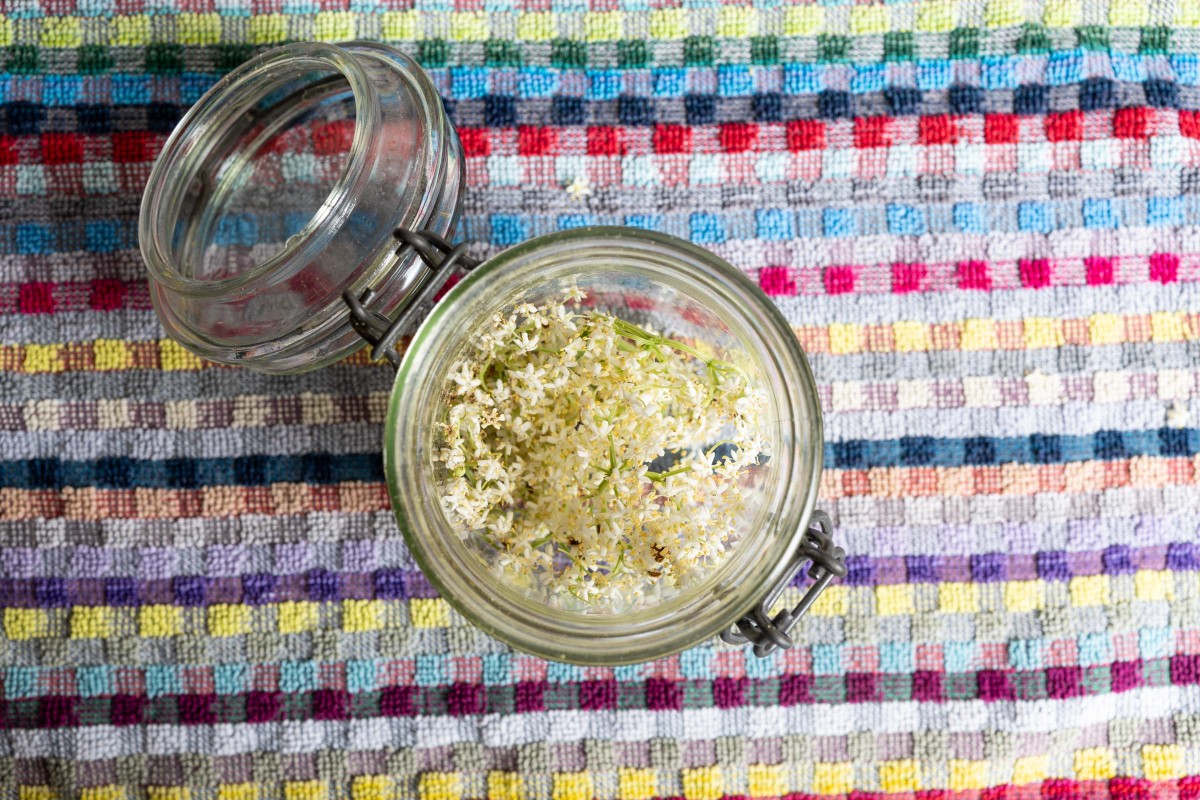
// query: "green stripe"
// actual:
[[102, 55]]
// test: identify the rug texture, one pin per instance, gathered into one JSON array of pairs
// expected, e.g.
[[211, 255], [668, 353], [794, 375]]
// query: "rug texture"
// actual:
[[981, 218]]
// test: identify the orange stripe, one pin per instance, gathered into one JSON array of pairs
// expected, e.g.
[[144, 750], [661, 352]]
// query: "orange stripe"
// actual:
[[1141, 472], [90, 503]]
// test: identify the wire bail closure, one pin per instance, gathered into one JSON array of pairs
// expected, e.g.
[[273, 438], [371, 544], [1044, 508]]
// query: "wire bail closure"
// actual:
[[440, 259], [827, 560]]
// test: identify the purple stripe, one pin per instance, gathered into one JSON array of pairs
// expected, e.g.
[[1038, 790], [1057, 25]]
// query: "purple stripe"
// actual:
[[254, 589], [1074, 535], [321, 585]]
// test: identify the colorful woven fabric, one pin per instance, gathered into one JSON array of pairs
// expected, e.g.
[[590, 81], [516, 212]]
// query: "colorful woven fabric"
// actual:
[[983, 218]]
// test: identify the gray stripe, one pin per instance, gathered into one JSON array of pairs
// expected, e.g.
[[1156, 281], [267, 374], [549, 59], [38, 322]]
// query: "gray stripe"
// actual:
[[1070, 359], [1071, 419], [216, 413], [205, 771], [60, 553], [83, 267], [936, 194], [83, 326], [188, 385], [140, 443]]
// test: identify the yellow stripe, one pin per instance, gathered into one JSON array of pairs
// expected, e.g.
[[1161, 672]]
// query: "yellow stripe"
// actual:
[[983, 333], [224, 620], [898, 777], [665, 24]]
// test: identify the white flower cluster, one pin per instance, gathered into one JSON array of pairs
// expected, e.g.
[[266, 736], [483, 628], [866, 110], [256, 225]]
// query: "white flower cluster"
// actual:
[[552, 427]]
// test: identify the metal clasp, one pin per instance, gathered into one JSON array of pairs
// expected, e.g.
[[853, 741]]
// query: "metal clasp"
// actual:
[[828, 561], [440, 258]]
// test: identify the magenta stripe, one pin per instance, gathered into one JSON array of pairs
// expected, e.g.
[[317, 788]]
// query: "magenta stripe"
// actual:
[[659, 694]]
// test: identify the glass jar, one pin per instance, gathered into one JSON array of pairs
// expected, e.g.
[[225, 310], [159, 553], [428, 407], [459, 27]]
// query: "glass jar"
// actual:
[[267, 229], [280, 189]]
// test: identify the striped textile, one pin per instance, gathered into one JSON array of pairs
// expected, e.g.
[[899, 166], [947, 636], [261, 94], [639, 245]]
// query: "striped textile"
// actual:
[[982, 218]]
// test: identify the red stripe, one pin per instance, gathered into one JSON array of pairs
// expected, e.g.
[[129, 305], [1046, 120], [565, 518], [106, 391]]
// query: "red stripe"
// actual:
[[50, 298], [138, 147]]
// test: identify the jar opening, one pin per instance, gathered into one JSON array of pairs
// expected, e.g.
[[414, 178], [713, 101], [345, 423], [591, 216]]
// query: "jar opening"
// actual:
[[280, 189], [274, 185], [270, 161]]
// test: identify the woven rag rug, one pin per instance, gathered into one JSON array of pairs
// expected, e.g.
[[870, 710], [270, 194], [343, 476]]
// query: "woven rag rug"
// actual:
[[981, 216]]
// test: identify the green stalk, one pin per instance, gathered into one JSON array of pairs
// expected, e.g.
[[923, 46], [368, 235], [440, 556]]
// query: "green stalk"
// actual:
[[657, 477], [652, 343], [631, 331], [571, 556], [620, 565]]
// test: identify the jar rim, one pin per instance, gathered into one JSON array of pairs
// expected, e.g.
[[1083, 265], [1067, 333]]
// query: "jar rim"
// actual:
[[680, 622], [178, 163], [402, 167]]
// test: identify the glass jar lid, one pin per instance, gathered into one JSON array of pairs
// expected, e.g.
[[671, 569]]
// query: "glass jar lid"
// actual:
[[280, 189]]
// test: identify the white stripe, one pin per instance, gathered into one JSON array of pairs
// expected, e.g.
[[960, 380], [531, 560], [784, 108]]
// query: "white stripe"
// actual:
[[1111, 387], [1071, 419], [1068, 419]]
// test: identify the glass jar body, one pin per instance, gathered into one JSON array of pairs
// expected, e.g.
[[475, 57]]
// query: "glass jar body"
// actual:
[[686, 291]]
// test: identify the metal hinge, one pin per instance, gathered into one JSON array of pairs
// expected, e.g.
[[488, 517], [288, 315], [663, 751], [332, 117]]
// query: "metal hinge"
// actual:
[[827, 560], [440, 258]]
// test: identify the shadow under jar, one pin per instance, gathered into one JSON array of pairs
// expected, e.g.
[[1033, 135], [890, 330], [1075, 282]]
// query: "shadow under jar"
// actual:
[[269, 228]]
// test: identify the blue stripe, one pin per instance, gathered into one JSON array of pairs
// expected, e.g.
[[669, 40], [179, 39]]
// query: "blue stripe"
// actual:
[[189, 473], [927, 451], [248, 229], [321, 468], [1056, 68], [126, 102]]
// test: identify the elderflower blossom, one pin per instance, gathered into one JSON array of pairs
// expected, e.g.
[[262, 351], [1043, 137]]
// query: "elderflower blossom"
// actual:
[[598, 463]]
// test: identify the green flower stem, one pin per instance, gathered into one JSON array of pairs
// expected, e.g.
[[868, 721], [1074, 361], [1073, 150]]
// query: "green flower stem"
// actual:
[[567, 552], [620, 565], [656, 477], [653, 342], [631, 331]]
